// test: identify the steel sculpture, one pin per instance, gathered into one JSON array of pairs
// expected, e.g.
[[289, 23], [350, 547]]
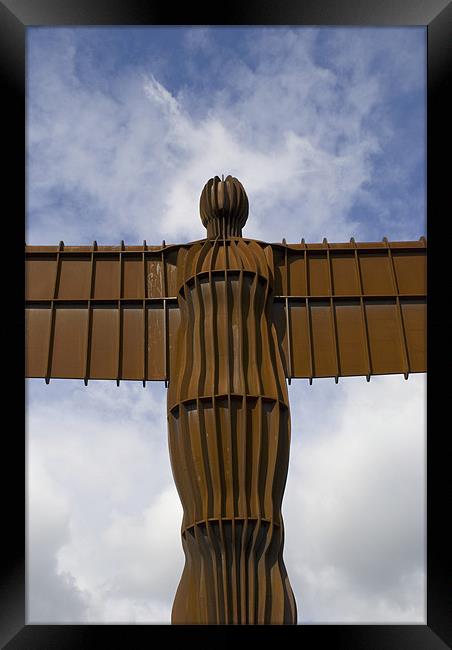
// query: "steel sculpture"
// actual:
[[224, 321]]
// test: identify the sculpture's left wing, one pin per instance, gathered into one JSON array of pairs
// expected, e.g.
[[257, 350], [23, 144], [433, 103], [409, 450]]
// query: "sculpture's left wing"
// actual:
[[100, 312], [351, 309]]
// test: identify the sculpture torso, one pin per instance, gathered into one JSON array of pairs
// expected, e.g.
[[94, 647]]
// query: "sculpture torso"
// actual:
[[227, 342], [229, 436]]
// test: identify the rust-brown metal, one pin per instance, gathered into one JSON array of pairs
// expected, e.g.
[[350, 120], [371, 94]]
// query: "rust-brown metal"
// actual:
[[224, 321], [229, 433], [339, 309], [223, 207]]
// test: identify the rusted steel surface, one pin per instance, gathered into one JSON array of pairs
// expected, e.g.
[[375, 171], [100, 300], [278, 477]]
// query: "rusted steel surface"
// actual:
[[224, 321], [339, 309], [356, 309], [229, 436], [223, 207]]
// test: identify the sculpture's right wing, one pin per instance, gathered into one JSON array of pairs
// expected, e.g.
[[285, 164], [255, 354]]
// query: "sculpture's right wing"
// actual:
[[351, 309], [100, 312]]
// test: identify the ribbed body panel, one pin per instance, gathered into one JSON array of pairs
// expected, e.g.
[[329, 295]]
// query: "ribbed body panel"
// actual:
[[229, 437]]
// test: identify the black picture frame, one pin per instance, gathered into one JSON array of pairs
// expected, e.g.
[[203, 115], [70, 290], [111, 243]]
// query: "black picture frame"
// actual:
[[15, 17]]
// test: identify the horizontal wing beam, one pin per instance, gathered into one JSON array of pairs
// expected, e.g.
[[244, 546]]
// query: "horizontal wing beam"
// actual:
[[367, 269], [80, 273]]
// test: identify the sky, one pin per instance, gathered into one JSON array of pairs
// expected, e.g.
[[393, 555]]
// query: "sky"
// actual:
[[326, 130]]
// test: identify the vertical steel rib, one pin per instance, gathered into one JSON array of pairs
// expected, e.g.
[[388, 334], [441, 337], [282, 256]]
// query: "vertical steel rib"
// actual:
[[145, 319], [365, 329], [332, 312], [89, 319], [254, 378], [308, 313], [120, 316], [52, 314], [260, 509], [164, 285], [231, 463], [214, 339], [401, 327], [286, 270], [241, 451], [241, 421], [289, 341]]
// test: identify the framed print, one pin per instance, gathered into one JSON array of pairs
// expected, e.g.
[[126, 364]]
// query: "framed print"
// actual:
[[117, 123]]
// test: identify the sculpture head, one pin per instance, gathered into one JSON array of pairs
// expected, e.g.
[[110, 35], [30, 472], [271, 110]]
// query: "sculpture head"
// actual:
[[223, 207]]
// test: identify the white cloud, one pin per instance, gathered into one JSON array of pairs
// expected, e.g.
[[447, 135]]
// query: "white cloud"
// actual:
[[354, 504], [104, 509], [293, 131], [199, 38], [355, 500], [52, 592]]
